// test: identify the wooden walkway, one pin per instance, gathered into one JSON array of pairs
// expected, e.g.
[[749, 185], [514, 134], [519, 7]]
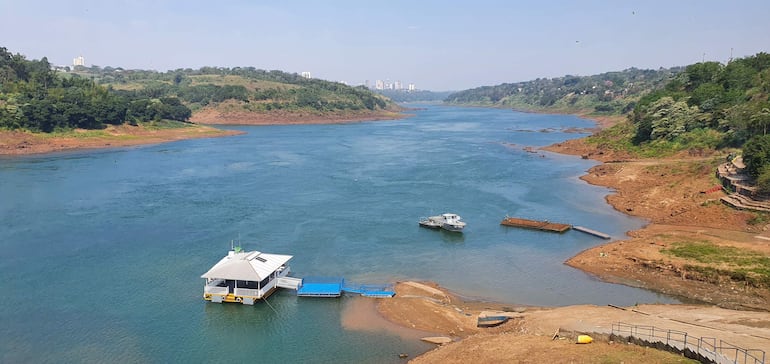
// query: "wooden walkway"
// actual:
[[535, 224]]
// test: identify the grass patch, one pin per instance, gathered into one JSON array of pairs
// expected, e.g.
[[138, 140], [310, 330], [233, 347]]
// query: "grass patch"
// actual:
[[759, 218], [72, 133], [165, 124], [742, 265]]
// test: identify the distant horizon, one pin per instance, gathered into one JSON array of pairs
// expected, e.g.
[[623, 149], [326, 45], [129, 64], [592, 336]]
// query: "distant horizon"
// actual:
[[353, 85], [432, 44]]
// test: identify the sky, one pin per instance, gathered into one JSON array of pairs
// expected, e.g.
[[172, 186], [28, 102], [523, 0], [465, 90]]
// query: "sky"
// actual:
[[437, 45]]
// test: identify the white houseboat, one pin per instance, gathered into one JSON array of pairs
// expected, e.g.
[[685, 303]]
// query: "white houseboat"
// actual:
[[247, 276]]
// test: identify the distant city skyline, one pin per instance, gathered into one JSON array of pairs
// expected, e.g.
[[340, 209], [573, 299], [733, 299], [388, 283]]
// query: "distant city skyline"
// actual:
[[433, 44]]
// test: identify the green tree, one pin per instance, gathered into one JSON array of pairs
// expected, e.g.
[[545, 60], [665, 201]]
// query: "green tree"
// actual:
[[700, 73], [756, 154]]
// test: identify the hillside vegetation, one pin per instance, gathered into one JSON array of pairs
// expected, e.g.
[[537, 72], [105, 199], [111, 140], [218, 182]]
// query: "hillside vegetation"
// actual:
[[606, 93], [699, 108], [244, 89], [34, 97]]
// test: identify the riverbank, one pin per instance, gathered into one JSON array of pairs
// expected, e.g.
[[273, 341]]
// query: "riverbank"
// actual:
[[213, 116], [24, 143], [675, 195]]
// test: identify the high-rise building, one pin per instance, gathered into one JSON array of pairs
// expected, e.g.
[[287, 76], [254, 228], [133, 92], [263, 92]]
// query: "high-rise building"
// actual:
[[305, 74], [411, 87], [397, 85], [79, 61], [379, 85]]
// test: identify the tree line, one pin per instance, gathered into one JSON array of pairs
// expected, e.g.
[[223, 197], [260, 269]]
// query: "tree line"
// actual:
[[35, 97], [209, 86]]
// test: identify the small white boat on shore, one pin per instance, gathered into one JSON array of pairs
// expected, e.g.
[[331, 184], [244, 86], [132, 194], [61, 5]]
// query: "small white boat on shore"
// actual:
[[448, 221]]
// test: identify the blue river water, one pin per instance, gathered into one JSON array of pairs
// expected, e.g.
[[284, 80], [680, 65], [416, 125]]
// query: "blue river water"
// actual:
[[101, 252]]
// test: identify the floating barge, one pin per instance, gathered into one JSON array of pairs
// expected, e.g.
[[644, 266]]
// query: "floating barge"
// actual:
[[536, 224]]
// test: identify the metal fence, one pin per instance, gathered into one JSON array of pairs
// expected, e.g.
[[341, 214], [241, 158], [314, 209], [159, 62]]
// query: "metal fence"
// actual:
[[703, 349]]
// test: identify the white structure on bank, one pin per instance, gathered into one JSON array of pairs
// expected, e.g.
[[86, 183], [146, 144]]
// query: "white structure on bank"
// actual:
[[305, 74], [79, 61]]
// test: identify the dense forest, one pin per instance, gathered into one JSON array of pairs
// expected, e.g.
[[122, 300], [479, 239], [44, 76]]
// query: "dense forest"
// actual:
[[700, 107], [34, 97]]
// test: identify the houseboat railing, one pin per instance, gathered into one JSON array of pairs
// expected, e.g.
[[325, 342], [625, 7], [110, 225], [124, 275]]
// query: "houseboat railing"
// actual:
[[248, 292], [215, 290]]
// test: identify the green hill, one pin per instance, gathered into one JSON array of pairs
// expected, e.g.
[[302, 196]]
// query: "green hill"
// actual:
[[244, 89], [35, 97], [606, 93]]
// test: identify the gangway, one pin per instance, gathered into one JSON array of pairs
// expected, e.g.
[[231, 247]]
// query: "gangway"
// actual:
[[289, 282], [371, 290]]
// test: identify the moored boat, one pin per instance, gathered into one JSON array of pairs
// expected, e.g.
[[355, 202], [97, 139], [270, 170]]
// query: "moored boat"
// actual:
[[452, 222], [432, 222], [491, 321], [448, 221]]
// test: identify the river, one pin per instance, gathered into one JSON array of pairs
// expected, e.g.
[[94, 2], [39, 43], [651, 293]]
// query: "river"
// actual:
[[102, 251]]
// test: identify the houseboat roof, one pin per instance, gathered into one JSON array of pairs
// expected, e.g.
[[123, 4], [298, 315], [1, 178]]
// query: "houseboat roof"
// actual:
[[246, 266]]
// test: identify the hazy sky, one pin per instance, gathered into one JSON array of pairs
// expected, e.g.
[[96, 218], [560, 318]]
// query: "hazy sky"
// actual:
[[438, 45]]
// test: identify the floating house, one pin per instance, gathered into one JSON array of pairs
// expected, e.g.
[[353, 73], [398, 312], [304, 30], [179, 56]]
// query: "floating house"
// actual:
[[247, 276]]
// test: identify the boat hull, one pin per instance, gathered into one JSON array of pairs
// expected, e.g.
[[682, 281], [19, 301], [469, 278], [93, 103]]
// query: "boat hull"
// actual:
[[430, 225], [453, 228]]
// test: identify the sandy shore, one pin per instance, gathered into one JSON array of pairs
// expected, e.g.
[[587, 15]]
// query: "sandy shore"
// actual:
[[25, 143], [422, 309]]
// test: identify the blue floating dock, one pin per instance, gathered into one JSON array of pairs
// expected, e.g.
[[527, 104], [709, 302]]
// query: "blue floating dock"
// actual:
[[321, 287], [335, 286]]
